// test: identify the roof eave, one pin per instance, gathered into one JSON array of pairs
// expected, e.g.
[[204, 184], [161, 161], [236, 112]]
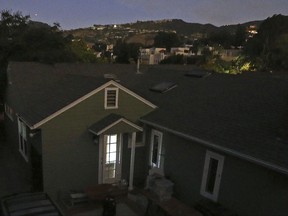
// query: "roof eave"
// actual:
[[220, 148], [138, 128]]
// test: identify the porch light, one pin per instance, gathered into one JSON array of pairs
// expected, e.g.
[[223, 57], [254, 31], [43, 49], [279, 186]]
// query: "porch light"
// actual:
[[96, 139]]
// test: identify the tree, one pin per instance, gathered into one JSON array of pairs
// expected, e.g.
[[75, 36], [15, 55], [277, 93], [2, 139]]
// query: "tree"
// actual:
[[24, 40], [126, 52], [240, 36], [167, 40], [79, 48], [268, 49], [43, 44], [11, 28], [222, 37]]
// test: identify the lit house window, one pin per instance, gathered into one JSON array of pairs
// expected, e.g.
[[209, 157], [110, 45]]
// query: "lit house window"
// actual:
[[111, 98], [212, 175], [23, 146]]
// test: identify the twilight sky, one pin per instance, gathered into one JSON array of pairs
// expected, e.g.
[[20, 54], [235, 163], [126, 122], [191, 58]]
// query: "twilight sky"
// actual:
[[84, 13]]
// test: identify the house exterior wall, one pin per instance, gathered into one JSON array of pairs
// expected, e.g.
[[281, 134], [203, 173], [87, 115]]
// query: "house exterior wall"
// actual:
[[253, 190], [12, 136], [245, 188], [70, 158]]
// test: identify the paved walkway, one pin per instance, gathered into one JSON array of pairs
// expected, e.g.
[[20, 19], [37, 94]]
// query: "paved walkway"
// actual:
[[12, 178]]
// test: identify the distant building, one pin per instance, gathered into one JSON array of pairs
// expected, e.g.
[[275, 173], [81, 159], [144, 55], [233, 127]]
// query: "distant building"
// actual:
[[252, 31], [152, 55], [229, 54], [180, 51]]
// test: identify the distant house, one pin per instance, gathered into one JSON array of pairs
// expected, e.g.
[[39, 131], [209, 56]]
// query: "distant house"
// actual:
[[185, 51], [230, 54], [152, 56], [218, 137]]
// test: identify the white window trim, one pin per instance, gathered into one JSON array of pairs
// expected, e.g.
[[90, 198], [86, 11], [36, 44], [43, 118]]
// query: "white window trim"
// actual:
[[159, 162], [22, 136], [105, 98], [9, 112], [213, 196]]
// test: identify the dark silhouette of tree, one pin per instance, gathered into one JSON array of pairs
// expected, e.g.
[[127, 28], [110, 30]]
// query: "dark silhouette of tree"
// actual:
[[11, 28], [268, 49], [24, 40], [222, 37], [167, 40], [125, 52], [240, 36]]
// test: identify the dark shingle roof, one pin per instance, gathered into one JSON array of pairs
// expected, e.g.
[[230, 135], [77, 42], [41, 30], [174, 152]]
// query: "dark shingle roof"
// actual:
[[105, 122], [246, 113]]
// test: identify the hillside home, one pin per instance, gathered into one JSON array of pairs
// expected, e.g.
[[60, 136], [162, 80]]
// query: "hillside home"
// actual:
[[153, 55], [185, 51], [217, 137], [230, 54]]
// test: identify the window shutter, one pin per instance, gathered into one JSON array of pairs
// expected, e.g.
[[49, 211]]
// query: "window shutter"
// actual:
[[111, 98]]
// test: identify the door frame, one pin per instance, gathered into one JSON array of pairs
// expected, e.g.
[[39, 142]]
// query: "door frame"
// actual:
[[101, 157]]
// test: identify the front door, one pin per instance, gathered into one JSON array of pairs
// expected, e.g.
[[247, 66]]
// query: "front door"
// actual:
[[111, 158]]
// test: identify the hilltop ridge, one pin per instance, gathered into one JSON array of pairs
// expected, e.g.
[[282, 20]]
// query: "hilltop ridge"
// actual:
[[112, 32]]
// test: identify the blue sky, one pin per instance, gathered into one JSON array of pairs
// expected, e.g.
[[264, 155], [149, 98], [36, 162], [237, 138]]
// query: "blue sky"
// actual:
[[84, 13]]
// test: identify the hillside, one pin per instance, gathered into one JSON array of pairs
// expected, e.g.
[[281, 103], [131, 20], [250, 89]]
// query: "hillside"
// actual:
[[144, 31]]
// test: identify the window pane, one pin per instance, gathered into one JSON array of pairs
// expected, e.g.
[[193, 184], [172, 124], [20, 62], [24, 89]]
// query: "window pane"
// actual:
[[113, 138], [155, 149], [211, 178], [112, 148], [25, 147], [112, 157], [24, 131]]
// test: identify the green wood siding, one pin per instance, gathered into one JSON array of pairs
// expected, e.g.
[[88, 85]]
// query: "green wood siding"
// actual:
[[245, 188], [70, 158]]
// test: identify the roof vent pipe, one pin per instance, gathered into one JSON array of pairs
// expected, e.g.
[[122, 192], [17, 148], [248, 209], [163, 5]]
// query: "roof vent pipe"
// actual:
[[138, 61]]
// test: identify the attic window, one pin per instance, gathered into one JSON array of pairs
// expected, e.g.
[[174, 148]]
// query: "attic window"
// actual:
[[198, 74], [163, 87], [111, 98]]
